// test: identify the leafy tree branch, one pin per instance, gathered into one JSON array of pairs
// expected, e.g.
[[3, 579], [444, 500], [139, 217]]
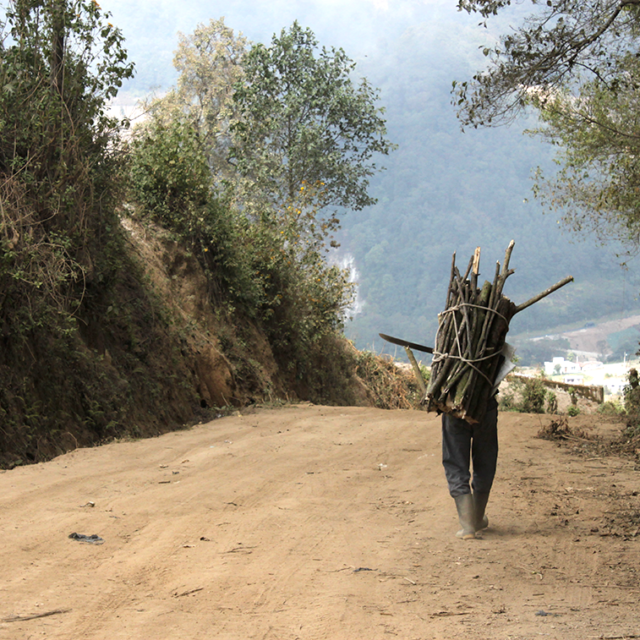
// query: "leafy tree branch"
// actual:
[[545, 52]]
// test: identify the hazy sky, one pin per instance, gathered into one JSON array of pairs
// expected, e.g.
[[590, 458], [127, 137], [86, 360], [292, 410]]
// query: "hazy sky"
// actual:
[[360, 27]]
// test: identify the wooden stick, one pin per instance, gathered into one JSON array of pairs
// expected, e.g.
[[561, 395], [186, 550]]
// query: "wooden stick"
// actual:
[[507, 257], [464, 298], [490, 300], [476, 271], [544, 294], [35, 616], [188, 593], [416, 370], [506, 272], [449, 291], [469, 267], [476, 261]]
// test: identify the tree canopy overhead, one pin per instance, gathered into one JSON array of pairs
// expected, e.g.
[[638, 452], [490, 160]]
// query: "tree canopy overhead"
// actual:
[[560, 43], [576, 62]]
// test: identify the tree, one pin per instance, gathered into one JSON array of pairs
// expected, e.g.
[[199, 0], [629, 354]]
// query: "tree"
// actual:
[[598, 137], [575, 61], [558, 45], [209, 62], [306, 125], [60, 63], [267, 246], [61, 248]]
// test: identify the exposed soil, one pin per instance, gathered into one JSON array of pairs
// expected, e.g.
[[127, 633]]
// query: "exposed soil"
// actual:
[[590, 338], [313, 523]]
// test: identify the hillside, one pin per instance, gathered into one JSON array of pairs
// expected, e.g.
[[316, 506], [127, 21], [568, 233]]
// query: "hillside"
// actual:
[[135, 290], [157, 355], [445, 191]]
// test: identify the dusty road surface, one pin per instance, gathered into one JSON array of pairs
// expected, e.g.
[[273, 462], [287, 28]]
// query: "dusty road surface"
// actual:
[[317, 523]]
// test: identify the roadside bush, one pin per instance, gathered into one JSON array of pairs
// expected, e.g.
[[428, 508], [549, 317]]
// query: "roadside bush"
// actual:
[[524, 396], [60, 63], [81, 353], [169, 174], [507, 400], [552, 402], [632, 403], [533, 394], [610, 408], [170, 180], [389, 386]]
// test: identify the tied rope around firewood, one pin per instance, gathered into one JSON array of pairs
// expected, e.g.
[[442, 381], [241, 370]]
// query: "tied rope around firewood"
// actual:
[[470, 339], [438, 356]]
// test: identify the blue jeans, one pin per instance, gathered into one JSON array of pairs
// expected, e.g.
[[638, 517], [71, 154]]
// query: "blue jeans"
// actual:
[[463, 442]]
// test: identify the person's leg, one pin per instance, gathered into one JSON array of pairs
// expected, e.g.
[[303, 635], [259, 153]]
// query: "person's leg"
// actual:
[[456, 452], [484, 450], [484, 453]]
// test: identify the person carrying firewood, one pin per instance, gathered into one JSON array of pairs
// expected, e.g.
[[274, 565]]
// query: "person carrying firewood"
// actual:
[[470, 358]]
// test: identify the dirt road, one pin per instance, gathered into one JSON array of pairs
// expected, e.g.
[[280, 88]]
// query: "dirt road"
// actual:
[[317, 523]]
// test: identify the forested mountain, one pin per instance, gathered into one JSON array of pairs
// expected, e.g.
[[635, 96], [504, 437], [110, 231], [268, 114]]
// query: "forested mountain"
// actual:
[[443, 190], [447, 191]]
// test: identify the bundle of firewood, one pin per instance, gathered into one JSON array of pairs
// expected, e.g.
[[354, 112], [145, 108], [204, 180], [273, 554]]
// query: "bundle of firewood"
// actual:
[[471, 334]]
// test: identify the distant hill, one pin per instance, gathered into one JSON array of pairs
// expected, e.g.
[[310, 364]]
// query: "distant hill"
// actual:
[[611, 339], [447, 191]]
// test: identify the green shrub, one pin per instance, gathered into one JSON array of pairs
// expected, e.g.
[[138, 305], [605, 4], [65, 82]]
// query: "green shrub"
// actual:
[[533, 394], [632, 403], [552, 402], [525, 396], [264, 262], [610, 408], [507, 401], [170, 175]]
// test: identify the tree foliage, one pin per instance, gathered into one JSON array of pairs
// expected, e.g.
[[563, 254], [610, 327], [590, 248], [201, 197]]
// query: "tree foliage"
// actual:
[[170, 180], [60, 62], [576, 63], [305, 123], [558, 44], [597, 187], [68, 287], [209, 63], [265, 267], [264, 255], [169, 171]]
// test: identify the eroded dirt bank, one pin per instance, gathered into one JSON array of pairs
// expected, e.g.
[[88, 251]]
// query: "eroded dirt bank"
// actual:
[[317, 523]]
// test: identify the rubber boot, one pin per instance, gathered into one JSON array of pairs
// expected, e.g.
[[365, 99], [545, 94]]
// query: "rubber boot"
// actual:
[[466, 515], [480, 504]]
